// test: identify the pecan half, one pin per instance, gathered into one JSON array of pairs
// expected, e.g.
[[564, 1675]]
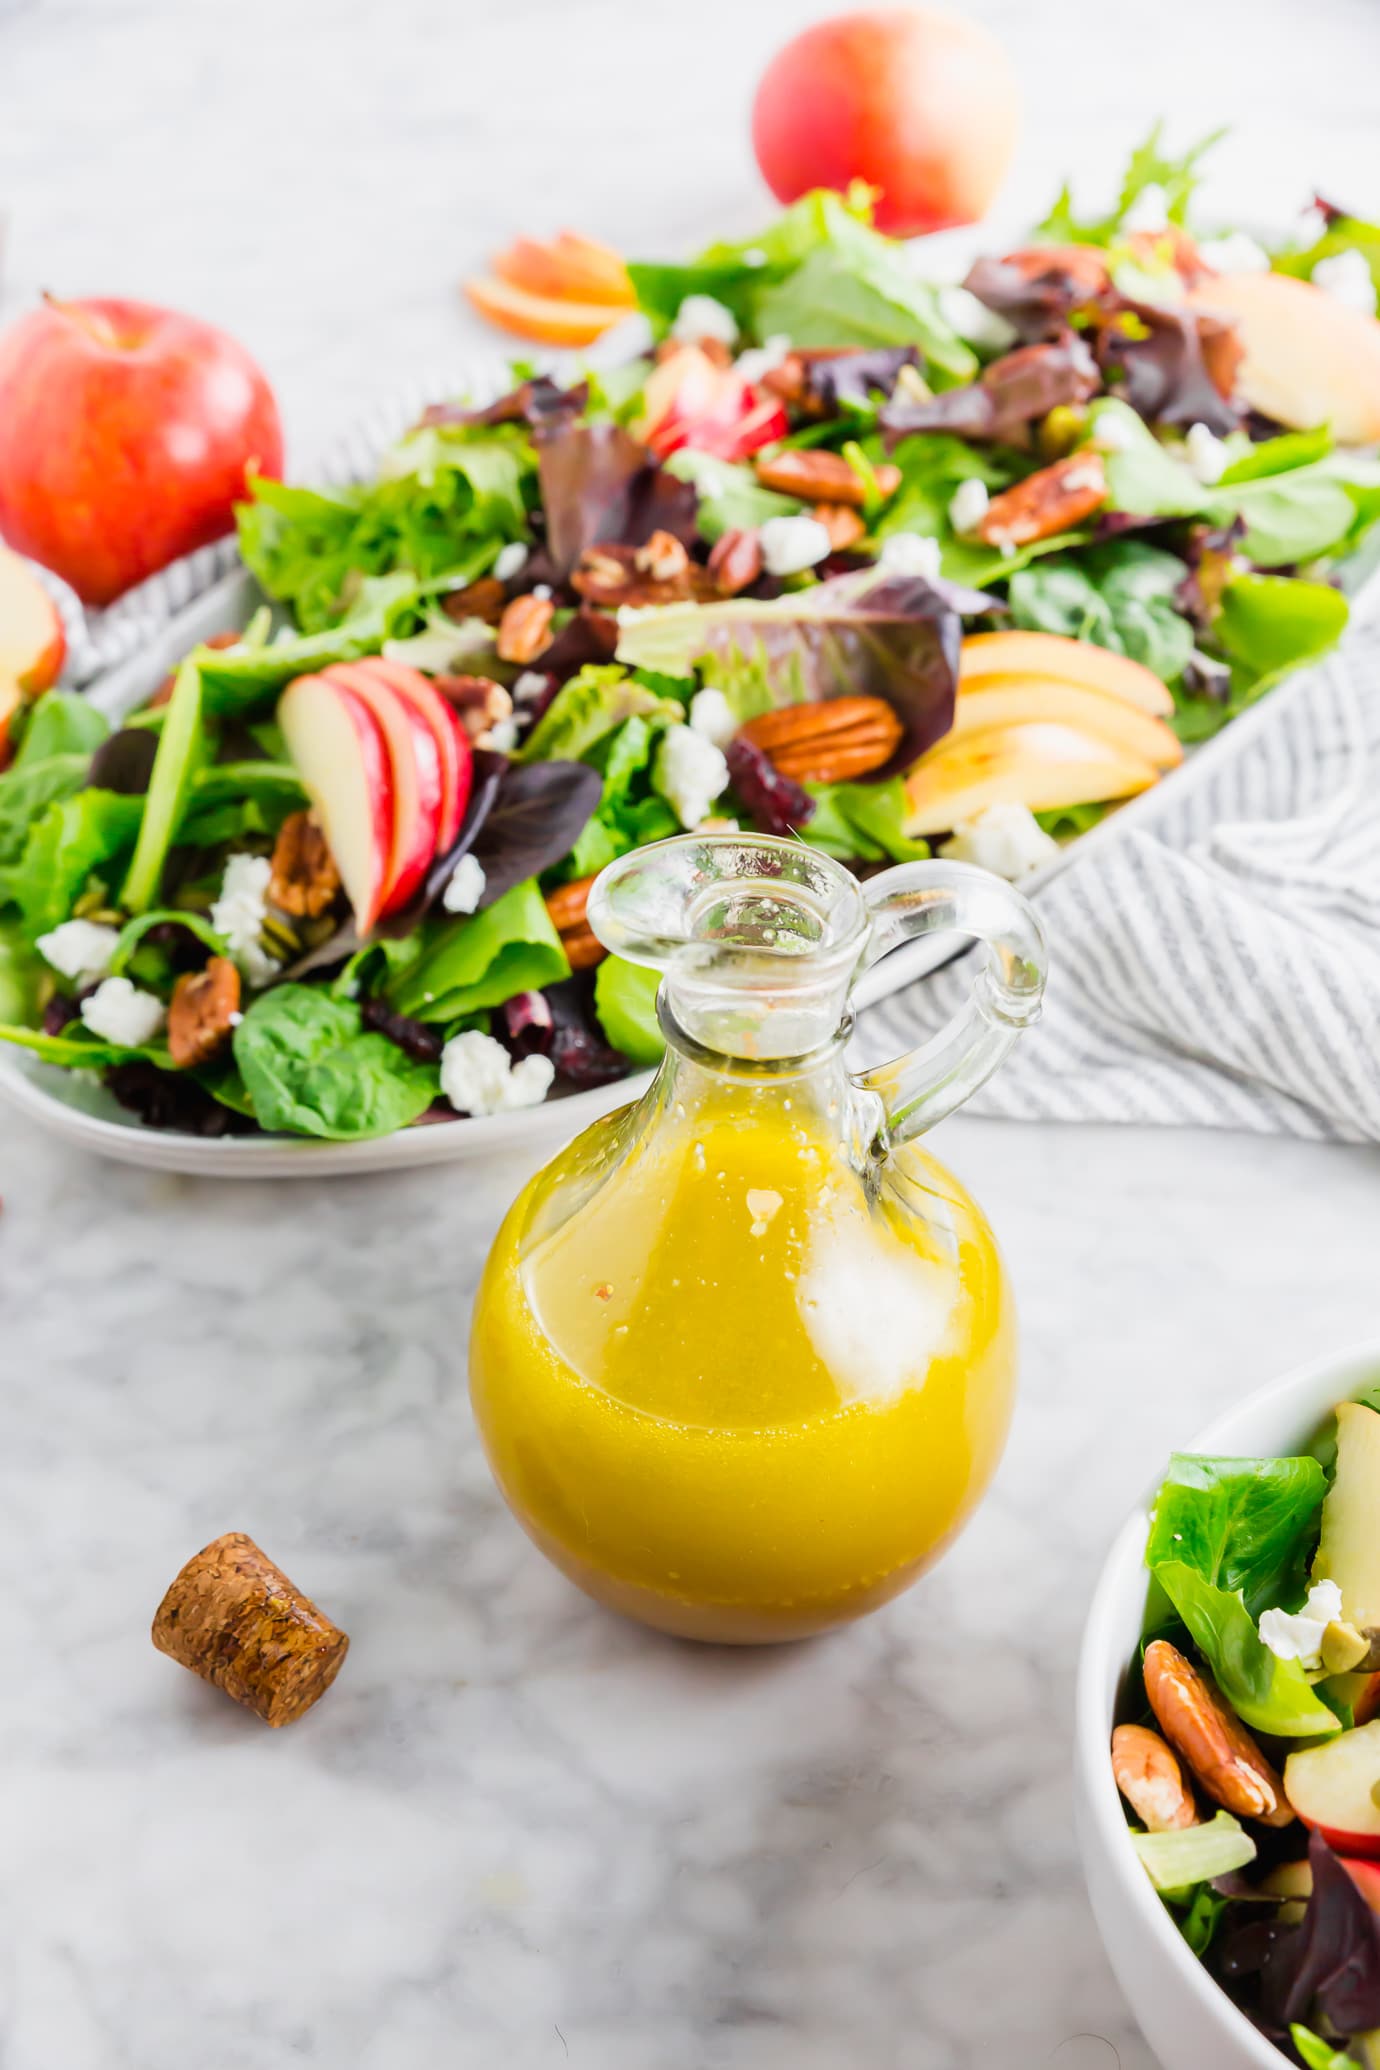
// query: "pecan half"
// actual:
[[305, 879], [478, 700], [1151, 1780], [827, 743], [203, 1014], [1045, 503], [735, 561], [663, 558], [524, 630], [819, 477], [567, 905], [484, 599], [844, 526], [1199, 1725]]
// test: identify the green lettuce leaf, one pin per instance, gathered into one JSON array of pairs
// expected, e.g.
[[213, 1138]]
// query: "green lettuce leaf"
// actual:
[[1148, 166], [625, 1001], [863, 822], [1318, 2054], [60, 723], [468, 965], [92, 830], [1248, 1524], [1269, 1694], [20, 970], [731, 497], [588, 708], [309, 1068], [237, 679], [26, 792], [1270, 624], [630, 813], [1195, 1854]]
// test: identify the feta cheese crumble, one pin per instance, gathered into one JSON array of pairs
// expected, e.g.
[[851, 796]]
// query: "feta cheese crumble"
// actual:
[[502, 736], [1300, 1637], [690, 772], [1149, 210], [762, 359], [910, 553], [792, 544], [700, 316], [1006, 839], [968, 506], [238, 915], [479, 1077], [712, 715], [530, 685], [1114, 433], [511, 559], [1206, 455], [1234, 253], [80, 949], [1347, 277], [466, 887], [119, 1012]]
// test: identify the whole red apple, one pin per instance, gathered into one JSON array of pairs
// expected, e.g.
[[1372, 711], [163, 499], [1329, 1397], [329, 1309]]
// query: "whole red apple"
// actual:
[[923, 106], [125, 433]]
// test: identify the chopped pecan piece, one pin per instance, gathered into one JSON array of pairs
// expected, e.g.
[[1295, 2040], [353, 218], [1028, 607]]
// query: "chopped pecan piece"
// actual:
[[844, 526], [832, 742], [1199, 1725], [524, 631], [1150, 1779], [1045, 503], [204, 1012], [305, 879], [615, 575], [735, 561], [663, 558], [567, 905], [820, 477], [484, 599], [479, 701], [788, 381]]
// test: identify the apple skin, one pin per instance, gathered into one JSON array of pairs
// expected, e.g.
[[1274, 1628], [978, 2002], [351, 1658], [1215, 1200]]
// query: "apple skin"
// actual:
[[125, 435], [33, 645], [923, 106], [415, 760], [1334, 1779], [456, 751], [340, 752]]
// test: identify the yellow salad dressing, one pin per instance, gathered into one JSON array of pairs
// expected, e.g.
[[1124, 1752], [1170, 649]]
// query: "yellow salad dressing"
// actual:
[[743, 1364]]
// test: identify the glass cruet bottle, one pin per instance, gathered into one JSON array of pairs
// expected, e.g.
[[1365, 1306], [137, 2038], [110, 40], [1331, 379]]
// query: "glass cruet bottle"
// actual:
[[743, 1355]]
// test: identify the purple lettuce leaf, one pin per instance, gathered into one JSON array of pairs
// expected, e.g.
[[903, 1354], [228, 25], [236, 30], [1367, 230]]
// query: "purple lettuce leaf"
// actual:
[[853, 380], [539, 813], [1007, 398], [538, 401], [1037, 305], [598, 484], [1157, 359], [1331, 1964]]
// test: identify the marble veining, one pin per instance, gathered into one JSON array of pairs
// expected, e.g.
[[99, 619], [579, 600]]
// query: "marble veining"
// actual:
[[518, 1832]]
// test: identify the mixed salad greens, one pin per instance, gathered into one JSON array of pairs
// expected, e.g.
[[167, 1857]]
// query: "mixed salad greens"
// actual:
[[841, 553], [1249, 1752]]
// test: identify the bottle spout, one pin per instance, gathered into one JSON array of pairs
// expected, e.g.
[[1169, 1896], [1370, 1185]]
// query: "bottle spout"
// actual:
[[758, 938]]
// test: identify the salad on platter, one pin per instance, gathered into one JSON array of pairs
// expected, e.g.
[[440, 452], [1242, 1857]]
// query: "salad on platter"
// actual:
[[1249, 1749], [835, 552]]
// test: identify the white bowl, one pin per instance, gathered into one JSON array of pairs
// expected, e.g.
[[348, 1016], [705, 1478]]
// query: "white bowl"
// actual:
[[1186, 2017]]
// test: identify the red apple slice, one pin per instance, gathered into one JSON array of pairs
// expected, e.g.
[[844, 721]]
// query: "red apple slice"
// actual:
[[338, 749], [1366, 1876], [1330, 1788], [452, 741], [33, 645], [415, 759]]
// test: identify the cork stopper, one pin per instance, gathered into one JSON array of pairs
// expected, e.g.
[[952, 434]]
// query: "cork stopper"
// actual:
[[235, 1619]]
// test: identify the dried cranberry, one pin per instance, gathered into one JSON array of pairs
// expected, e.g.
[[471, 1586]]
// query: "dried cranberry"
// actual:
[[529, 1024], [583, 1060], [414, 1038], [59, 1012], [776, 804], [172, 1099]]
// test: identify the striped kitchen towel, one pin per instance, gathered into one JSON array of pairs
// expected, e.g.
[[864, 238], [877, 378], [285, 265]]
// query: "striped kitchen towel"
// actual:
[[1217, 965]]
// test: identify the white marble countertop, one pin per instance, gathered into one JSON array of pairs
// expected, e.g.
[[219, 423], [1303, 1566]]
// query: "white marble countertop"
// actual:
[[518, 1832]]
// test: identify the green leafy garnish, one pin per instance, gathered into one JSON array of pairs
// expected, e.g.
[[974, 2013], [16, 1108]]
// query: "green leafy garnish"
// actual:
[[1148, 166], [1248, 1524], [310, 1067], [467, 965], [91, 830]]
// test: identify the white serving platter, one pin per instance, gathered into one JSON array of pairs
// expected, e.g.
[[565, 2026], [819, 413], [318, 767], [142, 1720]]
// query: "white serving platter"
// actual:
[[76, 1107]]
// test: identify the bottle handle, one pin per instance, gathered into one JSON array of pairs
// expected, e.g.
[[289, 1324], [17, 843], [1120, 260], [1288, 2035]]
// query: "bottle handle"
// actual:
[[930, 898]]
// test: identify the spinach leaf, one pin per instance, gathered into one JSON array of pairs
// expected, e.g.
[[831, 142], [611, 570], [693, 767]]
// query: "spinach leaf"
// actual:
[[1248, 1524], [466, 965], [863, 822], [1270, 624], [309, 1068], [73, 837], [1270, 1695], [1289, 517], [1120, 596], [625, 1001], [61, 723], [1144, 478]]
